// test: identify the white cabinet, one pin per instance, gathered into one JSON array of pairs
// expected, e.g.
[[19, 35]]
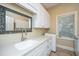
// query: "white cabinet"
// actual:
[[49, 46], [41, 50], [52, 41], [41, 17], [27, 6]]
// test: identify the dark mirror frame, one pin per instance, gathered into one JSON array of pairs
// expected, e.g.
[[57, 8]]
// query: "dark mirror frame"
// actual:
[[3, 19]]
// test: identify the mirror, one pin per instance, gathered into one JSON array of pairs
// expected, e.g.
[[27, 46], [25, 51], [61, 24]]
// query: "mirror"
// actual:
[[15, 21]]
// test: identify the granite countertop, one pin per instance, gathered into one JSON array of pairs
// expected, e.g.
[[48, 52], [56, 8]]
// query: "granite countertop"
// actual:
[[11, 50]]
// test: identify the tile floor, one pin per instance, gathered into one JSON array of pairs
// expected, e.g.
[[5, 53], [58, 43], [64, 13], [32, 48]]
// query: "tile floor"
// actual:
[[62, 52]]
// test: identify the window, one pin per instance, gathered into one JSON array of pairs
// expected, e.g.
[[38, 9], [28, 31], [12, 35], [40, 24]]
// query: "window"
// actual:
[[66, 25]]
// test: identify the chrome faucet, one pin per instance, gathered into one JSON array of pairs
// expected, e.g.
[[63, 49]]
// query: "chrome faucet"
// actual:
[[22, 37]]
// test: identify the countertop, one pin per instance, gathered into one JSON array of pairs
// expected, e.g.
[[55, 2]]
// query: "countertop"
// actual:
[[10, 50]]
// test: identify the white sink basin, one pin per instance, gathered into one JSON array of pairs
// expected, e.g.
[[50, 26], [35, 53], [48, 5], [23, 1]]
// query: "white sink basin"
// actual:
[[26, 44]]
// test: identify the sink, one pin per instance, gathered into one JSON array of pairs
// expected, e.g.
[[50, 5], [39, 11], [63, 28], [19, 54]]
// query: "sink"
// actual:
[[25, 44]]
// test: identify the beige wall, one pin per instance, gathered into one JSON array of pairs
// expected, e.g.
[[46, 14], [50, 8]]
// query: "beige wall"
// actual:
[[14, 38], [60, 9]]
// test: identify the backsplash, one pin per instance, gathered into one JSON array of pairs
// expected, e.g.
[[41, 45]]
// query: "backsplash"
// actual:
[[16, 37]]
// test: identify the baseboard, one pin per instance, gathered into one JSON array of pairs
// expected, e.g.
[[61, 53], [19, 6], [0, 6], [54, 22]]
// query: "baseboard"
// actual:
[[65, 47]]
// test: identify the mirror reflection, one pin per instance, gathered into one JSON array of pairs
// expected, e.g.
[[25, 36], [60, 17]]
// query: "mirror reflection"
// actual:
[[14, 21]]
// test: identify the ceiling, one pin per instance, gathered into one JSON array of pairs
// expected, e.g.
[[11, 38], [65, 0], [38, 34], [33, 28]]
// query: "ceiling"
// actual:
[[49, 5]]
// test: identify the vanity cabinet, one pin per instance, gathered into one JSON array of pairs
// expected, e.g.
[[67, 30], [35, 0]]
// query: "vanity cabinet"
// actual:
[[41, 50], [40, 18]]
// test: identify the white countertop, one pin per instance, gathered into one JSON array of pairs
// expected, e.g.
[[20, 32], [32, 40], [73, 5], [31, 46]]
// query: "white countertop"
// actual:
[[11, 50]]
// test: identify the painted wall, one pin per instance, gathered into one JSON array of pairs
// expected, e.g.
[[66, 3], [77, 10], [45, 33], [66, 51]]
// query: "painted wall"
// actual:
[[14, 38], [57, 10]]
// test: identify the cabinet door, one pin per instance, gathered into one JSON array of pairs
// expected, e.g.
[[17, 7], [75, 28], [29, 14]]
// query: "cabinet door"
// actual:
[[35, 6], [41, 18], [49, 45], [37, 23], [41, 50], [27, 6], [53, 42], [46, 18]]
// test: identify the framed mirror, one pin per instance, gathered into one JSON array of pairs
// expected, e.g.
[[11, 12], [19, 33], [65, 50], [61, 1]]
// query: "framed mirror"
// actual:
[[12, 21]]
